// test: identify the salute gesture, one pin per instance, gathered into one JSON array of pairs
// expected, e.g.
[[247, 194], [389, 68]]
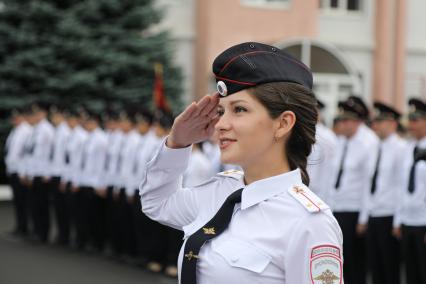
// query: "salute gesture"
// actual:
[[195, 124]]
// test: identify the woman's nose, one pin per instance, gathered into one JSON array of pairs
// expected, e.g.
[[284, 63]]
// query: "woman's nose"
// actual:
[[223, 123]]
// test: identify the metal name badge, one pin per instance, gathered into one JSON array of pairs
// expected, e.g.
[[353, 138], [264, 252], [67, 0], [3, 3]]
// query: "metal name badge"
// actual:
[[222, 89]]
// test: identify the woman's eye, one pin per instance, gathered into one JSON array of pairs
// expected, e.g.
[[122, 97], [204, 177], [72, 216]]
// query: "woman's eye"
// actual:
[[220, 112], [238, 109]]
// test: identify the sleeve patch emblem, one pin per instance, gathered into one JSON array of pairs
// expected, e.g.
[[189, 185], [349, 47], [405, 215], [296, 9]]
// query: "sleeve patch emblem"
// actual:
[[326, 265]]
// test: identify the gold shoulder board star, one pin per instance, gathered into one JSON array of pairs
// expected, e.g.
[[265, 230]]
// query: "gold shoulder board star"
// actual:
[[298, 189], [209, 231]]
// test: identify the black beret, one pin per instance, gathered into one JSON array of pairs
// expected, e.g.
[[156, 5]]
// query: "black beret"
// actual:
[[250, 64], [354, 107], [417, 109], [382, 111]]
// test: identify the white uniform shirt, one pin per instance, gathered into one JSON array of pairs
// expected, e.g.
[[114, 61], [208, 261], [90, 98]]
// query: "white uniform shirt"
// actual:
[[321, 161], [388, 182], [73, 155], [127, 159], [199, 169], [148, 143], [358, 169], [62, 135], [115, 140], [276, 235], [411, 209], [93, 160], [16, 147], [38, 163]]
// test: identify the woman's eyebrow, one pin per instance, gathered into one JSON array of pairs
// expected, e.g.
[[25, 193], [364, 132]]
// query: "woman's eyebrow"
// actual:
[[233, 102]]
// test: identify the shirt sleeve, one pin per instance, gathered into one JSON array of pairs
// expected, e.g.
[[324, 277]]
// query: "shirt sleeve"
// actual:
[[314, 251], [162, 197]]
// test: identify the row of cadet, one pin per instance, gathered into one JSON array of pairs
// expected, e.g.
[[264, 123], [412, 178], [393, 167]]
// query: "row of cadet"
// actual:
[[373, 177], [61, 161]]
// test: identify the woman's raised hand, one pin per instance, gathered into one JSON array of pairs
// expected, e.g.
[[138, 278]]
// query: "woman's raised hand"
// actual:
[[195, 124]]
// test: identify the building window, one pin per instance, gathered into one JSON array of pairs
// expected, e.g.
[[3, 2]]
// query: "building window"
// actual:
[[267, 3], [341, 5]]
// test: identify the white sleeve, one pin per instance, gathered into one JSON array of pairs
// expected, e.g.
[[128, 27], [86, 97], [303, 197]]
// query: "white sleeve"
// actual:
[[162, 197], [315, 246]]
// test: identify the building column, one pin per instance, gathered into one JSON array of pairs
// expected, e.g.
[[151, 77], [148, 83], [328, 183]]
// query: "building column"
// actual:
[[399, 98], [383, 52]]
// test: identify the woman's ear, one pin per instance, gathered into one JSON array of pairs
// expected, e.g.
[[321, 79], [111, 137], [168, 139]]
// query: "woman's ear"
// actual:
[[285, 123]]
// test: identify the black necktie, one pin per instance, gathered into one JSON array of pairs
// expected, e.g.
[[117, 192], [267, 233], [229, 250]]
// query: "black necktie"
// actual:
[[411, 185], [376, 171], [216, 226], [342, 163]]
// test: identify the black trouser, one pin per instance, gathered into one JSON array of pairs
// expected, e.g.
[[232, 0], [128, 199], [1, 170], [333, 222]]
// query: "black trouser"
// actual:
[[156, 242], [354, 249], [109, 216], [60, 205], [383, 251], [98, 221], [40, 208], [124, 236], [414, 252], [20, 204], [82, 206]]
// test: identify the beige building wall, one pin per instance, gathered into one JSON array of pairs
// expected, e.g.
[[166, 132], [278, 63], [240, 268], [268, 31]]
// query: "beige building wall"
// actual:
[[222, 23]]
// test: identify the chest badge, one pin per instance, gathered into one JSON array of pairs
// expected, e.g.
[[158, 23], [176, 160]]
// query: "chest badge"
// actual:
[[209, 231]]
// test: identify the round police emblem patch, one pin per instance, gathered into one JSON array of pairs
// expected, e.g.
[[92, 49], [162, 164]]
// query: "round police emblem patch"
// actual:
[[222, 89]]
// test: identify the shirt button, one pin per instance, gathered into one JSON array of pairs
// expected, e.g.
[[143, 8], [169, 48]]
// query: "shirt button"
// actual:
[[234, 259]]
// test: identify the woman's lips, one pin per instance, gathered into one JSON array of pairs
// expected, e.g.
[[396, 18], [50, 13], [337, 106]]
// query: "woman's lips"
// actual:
[[225, 143]]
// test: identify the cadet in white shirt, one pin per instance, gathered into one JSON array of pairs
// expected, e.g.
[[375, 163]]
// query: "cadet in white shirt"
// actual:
[[92, 192], [15, 152], [125, 235], [38, 169], [383, 247], [265, 225], [353, 169], [320, 161], [57, 167], [70, 175], [410, 218], [115, 137]]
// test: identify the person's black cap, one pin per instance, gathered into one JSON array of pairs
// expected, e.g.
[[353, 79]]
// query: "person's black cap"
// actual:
[[320, 104], [353, 108], [144, 115], [384, 112], [39, 106], [93, 115], [250, 64], [417, 109], [164, 119]]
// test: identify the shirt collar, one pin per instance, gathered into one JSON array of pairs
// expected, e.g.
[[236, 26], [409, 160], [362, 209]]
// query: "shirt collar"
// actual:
[[264, 189]]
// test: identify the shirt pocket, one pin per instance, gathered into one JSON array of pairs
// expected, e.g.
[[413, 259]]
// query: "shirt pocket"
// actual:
[[242, 254]]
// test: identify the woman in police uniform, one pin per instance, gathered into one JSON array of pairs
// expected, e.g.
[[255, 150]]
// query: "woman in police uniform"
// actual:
[[263, 225]]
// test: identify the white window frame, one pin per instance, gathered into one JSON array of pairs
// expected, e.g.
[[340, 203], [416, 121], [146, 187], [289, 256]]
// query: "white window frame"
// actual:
[[274, 4], [341, 8]]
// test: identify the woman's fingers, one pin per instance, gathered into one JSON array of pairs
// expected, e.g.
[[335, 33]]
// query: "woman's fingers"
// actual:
[[189, 111], [202, 104], [214, 100]]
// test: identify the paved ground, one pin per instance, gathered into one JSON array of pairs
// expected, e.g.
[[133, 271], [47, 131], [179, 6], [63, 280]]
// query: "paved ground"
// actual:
[[25, 263]]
